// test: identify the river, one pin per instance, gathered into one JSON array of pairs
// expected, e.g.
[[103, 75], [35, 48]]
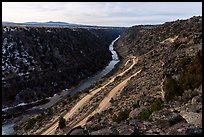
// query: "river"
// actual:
[[7, 129], [90, 81]]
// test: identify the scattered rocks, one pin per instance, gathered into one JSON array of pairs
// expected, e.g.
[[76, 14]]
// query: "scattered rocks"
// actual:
[[194, 131], [134, 113], [192, 118], [196, 99], [104, 131], [168, 116], [183, 129], [145, 87], [196, 108], [154, 131], [126, 130], [77, 131], [135, 122]]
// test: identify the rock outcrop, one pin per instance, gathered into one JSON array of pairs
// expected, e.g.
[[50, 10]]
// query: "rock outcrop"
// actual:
[[169, 56]]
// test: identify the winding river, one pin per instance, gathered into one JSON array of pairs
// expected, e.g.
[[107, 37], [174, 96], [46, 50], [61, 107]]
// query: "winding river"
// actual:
[[7, 128], [90, 81], [86, 83]]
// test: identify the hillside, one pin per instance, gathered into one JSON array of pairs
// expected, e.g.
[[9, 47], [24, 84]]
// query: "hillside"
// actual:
[[166, 96], [38, 62], [156, 88]]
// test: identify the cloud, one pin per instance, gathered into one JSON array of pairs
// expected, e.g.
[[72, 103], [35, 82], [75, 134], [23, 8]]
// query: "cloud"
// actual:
[[100, 13]]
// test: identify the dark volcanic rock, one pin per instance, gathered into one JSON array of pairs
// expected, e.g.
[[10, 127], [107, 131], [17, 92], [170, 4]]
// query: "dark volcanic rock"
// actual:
[[134, 113], [168, 116], [104, 131], [78, 131], [194, 131], [196, 99], [126, 130], [184, 129]]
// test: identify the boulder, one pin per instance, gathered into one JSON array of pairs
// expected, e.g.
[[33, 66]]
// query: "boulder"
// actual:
[[134, 113], [126, 130], [77, 131], [194, 131], [196, 99], [166, 116], [192, 118], [104, 131], [135, 122], [184, 129], [154, 131], [200, 90], [197, 108]]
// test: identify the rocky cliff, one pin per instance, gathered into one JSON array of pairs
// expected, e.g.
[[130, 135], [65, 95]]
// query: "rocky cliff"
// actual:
[[38, 62], [166, 97]]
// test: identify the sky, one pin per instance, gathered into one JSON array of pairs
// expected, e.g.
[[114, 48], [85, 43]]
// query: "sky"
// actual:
[[121, 14]]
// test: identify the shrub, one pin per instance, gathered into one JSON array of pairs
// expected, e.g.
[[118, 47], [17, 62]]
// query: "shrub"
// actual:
[[196, 66], [69, 98], [115, 118], [190, 81], [172, 89], [192, 77], [156, 105], [122, 115], [63, 103], [185, 81], [86, 91], [177, 44], [144, 114], [182, 63], [49, 111], [62, 123], [76, 95], [30, 123]]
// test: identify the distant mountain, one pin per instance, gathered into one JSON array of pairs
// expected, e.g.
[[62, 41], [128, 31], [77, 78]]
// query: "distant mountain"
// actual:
[[7, 22], [57, 23], [51, 23], [42, 23]]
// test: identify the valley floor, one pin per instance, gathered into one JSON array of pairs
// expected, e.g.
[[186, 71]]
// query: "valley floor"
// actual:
[[79, 118]]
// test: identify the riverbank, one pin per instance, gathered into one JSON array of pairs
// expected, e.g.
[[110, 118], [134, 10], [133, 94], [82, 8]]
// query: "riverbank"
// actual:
[[85, 84], [88, 102]]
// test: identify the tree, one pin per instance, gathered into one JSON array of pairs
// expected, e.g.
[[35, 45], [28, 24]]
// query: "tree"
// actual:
[[172, 89], [62, 123]]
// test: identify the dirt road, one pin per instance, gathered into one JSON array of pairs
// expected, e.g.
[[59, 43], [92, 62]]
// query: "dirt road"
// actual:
[[105, 103], [51, 129]]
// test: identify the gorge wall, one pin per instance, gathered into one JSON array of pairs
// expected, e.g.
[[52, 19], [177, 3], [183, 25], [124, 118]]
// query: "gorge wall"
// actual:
[[170, 59], [38, 62]]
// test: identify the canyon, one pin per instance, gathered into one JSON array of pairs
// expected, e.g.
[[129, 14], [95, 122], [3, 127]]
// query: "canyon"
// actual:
[[155, 89]]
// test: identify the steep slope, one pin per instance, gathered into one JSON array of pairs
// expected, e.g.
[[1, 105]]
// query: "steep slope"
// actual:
[[38, 62], [166, 96]]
